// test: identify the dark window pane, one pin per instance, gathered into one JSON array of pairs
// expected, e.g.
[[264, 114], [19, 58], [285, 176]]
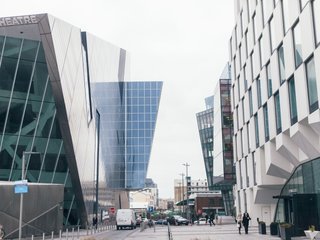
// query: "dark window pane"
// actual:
[[12, 47], [29, 50], [278, 112], [23, 76], [293, 101], [7, 72]]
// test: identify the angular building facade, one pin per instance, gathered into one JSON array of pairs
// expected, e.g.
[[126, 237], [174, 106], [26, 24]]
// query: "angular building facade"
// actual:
[[205, 127], [274, 51], [223, 168], [48, 69], [128, 113]]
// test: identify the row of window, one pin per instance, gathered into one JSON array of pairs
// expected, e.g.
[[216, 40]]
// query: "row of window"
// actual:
[[244, 182], [267, 46], [264, 10], [313, 105]]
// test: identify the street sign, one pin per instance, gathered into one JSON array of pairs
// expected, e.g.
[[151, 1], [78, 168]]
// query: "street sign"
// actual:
[[21, 186], [150, 209]]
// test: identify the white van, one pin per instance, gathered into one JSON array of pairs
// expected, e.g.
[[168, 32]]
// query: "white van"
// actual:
[[125, 218]]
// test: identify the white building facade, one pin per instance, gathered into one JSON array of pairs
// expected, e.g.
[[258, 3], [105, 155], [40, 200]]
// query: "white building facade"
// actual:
[[274, 54]]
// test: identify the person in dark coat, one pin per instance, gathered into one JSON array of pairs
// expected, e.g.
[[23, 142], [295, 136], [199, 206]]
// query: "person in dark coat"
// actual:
[[245, 221], [211, 220]]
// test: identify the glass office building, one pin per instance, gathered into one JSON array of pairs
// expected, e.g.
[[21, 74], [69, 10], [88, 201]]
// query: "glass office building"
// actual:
[[128, 113], [47, 70]]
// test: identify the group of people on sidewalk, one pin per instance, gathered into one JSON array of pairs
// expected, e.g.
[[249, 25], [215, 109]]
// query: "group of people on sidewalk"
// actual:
[[243, 220]]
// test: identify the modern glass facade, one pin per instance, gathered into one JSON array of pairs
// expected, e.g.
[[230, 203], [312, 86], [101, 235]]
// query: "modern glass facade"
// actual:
[[28, 121], [223, 169], [128, 117], [47, 70], [205, 127], [298, 202]]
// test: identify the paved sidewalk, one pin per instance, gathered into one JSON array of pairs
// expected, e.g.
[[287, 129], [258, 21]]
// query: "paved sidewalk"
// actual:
[[202, 232], [195, 232]]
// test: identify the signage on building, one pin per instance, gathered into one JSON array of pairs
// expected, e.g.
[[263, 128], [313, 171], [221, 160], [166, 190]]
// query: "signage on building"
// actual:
[[21, 186], [150, 209], [21, 20]]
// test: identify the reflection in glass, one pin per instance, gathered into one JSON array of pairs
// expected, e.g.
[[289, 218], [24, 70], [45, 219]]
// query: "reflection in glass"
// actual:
[[250, 102], [277, 112], [281, 64], [297, 44], [312, 85], [292, 101], [316, 15], [269, 80], [272, 34], [256, 127], [266, 122]]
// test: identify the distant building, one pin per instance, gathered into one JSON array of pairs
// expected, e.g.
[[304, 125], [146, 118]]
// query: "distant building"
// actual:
[[208, 203], [163, 204], [146, 199]]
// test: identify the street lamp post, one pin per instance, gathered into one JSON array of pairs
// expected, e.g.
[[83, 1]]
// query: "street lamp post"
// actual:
[[182, 191], [21, 194], [187, 209]]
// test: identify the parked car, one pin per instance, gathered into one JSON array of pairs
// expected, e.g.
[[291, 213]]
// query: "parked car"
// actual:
[[171, 220], [161, 222], [201, 221], [182, 221]]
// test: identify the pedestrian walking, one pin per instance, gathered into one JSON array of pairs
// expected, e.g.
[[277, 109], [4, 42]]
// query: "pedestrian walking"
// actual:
[[245, 221], [238, 221], [211, 218], [207, 217]]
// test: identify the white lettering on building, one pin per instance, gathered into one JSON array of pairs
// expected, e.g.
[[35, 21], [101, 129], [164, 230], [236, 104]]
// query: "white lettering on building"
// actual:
[[10, 21]]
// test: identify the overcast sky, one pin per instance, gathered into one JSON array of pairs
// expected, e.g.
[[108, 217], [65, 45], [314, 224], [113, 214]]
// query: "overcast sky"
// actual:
[[183, 43]]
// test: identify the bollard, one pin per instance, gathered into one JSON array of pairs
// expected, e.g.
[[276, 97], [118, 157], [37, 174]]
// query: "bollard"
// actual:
[[78, 234], [32, 237], [60, 234], [72, 233], [52, 235], [67, 231], [87, 230], [43, 236]]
